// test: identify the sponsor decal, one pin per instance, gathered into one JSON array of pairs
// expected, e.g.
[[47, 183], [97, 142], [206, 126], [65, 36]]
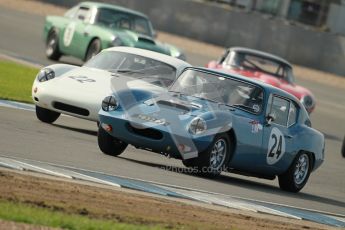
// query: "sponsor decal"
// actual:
[[256, 126]]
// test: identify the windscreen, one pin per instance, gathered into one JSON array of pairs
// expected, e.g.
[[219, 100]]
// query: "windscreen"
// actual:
[[122, 20], [135, 66], [251, 62], [220, 89]]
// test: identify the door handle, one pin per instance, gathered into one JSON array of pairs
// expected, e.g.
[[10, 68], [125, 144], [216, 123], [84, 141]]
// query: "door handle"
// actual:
[[288, 136], [86, 33]]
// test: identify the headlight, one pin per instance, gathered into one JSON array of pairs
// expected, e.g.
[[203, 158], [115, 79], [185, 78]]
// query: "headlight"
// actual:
[[45, 74], [116, 42], [307, 101], [109, 103], [197, 126], [181, 56]]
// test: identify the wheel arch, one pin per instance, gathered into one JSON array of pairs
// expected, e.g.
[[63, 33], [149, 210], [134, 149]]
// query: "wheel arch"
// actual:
[[90, 42], [232, 135]]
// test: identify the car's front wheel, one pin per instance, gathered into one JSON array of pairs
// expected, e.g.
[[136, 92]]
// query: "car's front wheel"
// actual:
[[46, 115], [108, 144], [213, 160], [93, 49], [52, 46], [295, 178]]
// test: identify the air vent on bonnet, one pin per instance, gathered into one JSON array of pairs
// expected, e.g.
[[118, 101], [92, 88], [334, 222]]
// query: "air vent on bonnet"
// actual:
[[173, 104], [147, 40]]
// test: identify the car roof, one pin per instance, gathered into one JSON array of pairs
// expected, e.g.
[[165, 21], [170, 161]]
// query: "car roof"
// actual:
[[151, 54], [260, 53], [267, 87], [111, 6]]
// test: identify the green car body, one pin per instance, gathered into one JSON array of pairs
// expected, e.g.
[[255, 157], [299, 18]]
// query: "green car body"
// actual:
[[89, 27]]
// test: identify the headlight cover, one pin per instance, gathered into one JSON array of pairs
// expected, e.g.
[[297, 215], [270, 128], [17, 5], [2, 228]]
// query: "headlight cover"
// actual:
[[109, 104], [45, 74], [307, 101], [197, 126], [181, 56], [116, 41]]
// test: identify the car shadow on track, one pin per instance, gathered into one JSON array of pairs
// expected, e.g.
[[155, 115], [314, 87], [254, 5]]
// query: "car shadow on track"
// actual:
[[79, 130], [257, 186]]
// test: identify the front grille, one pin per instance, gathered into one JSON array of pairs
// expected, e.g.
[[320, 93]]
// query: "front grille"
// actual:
[[145, 132], [71, 108]]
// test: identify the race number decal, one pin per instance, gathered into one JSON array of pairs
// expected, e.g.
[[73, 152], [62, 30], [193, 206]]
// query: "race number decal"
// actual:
[[68, 35], [82, 79], [276, 146]]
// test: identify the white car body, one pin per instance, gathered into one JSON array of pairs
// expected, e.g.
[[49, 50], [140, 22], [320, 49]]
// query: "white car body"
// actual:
[[87, 94]]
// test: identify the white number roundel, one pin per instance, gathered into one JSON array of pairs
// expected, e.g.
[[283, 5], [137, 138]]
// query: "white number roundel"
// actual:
[[68, 35], [276, 146]]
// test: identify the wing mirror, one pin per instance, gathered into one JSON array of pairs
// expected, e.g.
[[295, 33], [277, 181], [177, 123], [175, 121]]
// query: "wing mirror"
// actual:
[[154, 34], [269, 118]]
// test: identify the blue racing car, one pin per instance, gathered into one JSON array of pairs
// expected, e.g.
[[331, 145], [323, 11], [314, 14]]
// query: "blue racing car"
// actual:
[[215, 121]]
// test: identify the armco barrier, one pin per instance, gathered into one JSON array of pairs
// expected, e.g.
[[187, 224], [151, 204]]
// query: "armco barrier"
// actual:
[[220, 26]]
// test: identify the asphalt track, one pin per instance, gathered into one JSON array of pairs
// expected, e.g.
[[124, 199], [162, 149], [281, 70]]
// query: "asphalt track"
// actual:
[[72, 141]]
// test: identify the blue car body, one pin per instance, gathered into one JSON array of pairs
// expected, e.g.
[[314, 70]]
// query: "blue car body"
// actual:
[[159, 123]]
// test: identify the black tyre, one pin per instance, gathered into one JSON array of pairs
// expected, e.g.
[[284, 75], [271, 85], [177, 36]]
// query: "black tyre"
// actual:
[[52, 46], [294, 179], [190, 163], [343, 148], [46, 115], [108, 144], [212, 161], [93, 49]]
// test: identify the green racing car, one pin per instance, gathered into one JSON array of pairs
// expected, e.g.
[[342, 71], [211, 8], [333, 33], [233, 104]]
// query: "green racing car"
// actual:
[[89, 27]]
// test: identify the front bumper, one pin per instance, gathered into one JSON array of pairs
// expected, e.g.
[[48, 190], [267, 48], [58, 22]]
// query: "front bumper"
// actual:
[[170, 139]]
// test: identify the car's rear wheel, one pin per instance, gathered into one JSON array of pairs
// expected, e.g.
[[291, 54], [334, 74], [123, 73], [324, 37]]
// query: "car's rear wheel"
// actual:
[[108, 144], [93, 49], [46, 115], [295, 178], [52, 46], [213, 160]]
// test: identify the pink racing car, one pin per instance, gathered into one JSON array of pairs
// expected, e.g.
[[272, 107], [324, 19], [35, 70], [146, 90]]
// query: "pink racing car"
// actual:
[[264, 67]]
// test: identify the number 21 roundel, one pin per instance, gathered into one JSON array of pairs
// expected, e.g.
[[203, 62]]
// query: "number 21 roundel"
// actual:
[[276, 146]]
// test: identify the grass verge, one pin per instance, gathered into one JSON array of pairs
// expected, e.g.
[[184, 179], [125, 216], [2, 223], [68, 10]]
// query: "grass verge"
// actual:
[[26, 213], [16, 81]]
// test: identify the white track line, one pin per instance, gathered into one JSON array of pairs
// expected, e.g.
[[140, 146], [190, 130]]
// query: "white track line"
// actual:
[[191, 189], [7, 165], [17, 105], [232, 203], [21, 61], [81, 176], [34, 168], [68, 174]]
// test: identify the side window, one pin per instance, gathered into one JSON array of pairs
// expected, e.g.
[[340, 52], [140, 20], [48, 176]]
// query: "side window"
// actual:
[[292, 114], [280, 110], [83, 14]]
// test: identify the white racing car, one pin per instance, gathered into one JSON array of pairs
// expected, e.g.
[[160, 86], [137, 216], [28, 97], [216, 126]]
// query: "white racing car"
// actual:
[[79, 91]]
